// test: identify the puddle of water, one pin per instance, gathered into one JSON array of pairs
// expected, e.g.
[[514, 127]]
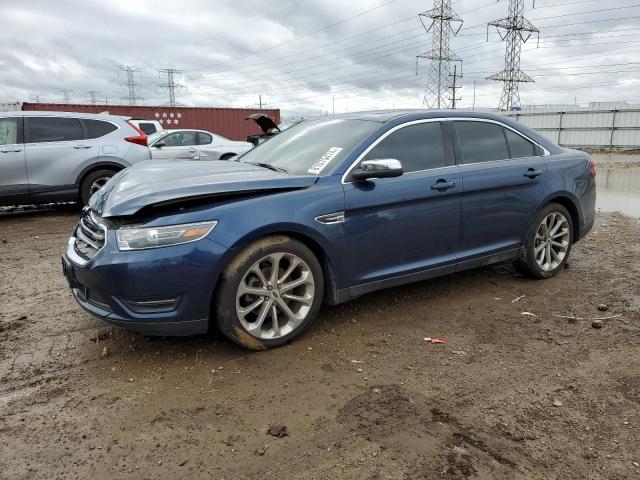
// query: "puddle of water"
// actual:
[[619, 191]]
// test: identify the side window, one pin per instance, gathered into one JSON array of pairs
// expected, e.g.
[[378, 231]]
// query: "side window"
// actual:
[[180, 139], [53, 129], [204, 138], [520, 146], [8, 131], [98, 128], [418, 147], [147, 128], [481, 142]]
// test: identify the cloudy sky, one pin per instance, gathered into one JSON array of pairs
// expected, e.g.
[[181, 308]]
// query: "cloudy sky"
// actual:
[[300, 55]]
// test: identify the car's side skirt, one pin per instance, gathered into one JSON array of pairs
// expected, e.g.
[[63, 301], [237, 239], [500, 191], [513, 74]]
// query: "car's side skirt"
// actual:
[[346, 294]]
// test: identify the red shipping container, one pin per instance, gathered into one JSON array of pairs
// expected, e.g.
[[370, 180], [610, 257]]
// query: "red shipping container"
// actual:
[[228, 122]]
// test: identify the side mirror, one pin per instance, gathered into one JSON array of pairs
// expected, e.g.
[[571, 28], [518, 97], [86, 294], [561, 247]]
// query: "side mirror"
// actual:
[[160, 144], [384, 168]]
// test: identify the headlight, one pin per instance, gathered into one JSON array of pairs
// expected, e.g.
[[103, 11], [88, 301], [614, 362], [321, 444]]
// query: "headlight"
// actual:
[[133, 238]]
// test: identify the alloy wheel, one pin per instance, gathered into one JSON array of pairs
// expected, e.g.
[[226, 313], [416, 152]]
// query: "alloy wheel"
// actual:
[[552, 241], [97, 184], [275, 295]]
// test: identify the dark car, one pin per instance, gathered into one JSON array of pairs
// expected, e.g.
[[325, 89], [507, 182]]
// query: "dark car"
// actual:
[[325, 212], [268, 126]]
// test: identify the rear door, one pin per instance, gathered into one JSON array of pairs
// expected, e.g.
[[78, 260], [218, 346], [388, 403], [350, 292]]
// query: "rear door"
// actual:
[[14, 186], [400, 226], [55, 149], [503, 176]]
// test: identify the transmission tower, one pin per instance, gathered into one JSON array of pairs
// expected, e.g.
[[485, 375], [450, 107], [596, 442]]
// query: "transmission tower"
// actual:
[[515, 30], [171, 84], [66, 93], [442, 21], [94, 94], [131, 84], [36, 97]]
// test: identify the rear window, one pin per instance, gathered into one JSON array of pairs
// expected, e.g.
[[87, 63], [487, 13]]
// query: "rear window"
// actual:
[[98, 128], [520, 146], [53, 129], [481, 141], [147, 127]]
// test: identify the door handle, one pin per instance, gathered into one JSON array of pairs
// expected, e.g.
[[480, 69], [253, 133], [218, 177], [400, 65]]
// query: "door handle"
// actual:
[[533, 173], [442, 185], [78, 147], [193, 150], [11, 151]]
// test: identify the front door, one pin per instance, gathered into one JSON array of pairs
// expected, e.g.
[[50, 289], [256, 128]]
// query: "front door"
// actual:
[[179, 145], [503, 177], [399, 227], [14, 185]]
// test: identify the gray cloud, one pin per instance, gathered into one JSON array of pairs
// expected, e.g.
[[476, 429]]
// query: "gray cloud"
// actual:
[[233, 51]]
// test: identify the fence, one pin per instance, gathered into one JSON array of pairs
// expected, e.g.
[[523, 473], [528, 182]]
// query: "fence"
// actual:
[[586, 128]]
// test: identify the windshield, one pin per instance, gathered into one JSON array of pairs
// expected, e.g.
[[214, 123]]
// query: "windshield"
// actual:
[[311, 147], [154, 137]]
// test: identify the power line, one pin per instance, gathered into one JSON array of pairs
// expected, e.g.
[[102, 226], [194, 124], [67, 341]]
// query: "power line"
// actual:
[[66, 93], [171, 84], [299, 37], [443, 23], [130, 83]]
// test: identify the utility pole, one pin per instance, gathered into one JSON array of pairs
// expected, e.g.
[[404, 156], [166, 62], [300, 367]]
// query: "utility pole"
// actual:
[[454, 88], [333, 105], [474, 95], [171, 84], [66, 95], [260, 101], [442, 21], [516, 30], [131, 84], [94, 94]]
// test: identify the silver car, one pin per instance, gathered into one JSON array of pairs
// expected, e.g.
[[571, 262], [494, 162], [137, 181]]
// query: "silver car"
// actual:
[[58, 156], [194, 145]]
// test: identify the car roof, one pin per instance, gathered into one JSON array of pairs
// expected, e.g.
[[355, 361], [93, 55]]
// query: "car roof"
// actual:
[[38, 113], [384, 116]]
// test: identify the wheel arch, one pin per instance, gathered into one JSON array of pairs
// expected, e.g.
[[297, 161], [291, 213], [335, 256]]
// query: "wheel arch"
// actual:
[[307, 237], [103, 165], [568, 201]]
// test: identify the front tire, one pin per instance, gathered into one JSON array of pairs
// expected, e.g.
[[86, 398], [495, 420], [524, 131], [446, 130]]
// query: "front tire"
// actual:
[[270, 293], [548, 242]]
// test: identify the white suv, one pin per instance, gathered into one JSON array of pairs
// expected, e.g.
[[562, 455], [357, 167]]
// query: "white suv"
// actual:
[[59, 156]]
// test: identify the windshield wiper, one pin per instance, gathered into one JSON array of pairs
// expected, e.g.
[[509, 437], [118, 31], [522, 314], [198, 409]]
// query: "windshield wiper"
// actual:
[[268, 165]]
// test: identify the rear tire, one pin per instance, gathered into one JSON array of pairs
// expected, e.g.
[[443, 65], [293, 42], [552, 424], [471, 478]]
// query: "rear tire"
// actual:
[[548, 243], [258, 308], [94, 182]]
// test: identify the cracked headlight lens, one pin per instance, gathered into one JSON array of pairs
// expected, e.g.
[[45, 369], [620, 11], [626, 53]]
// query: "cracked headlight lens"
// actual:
[[134, 238]]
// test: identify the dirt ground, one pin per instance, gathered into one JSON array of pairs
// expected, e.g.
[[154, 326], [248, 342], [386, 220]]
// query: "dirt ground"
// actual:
[[512, 395]]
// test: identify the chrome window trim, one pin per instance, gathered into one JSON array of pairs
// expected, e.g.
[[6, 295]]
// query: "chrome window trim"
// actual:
[[382, 137], [545, 152]]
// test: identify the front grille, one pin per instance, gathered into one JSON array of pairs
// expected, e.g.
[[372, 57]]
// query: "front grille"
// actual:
[[90, 235]]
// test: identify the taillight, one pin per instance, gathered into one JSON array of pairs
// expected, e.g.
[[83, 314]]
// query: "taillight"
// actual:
[[592, 166], [140, 139]]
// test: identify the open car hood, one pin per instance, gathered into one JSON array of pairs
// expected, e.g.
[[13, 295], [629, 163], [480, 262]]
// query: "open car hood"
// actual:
[[265, 123], [159, 183]]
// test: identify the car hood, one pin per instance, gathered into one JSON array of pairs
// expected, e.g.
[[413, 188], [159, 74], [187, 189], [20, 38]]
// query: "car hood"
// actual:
[[161, 182], [265, 123]]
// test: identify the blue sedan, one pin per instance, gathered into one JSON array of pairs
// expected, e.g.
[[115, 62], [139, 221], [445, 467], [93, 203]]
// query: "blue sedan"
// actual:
[[326, 211]]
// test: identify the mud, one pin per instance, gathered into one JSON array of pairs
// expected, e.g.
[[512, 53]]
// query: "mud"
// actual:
[[362, 394]]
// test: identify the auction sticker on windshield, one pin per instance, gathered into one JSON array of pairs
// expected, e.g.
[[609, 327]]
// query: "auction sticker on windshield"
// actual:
[[317, 167]]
